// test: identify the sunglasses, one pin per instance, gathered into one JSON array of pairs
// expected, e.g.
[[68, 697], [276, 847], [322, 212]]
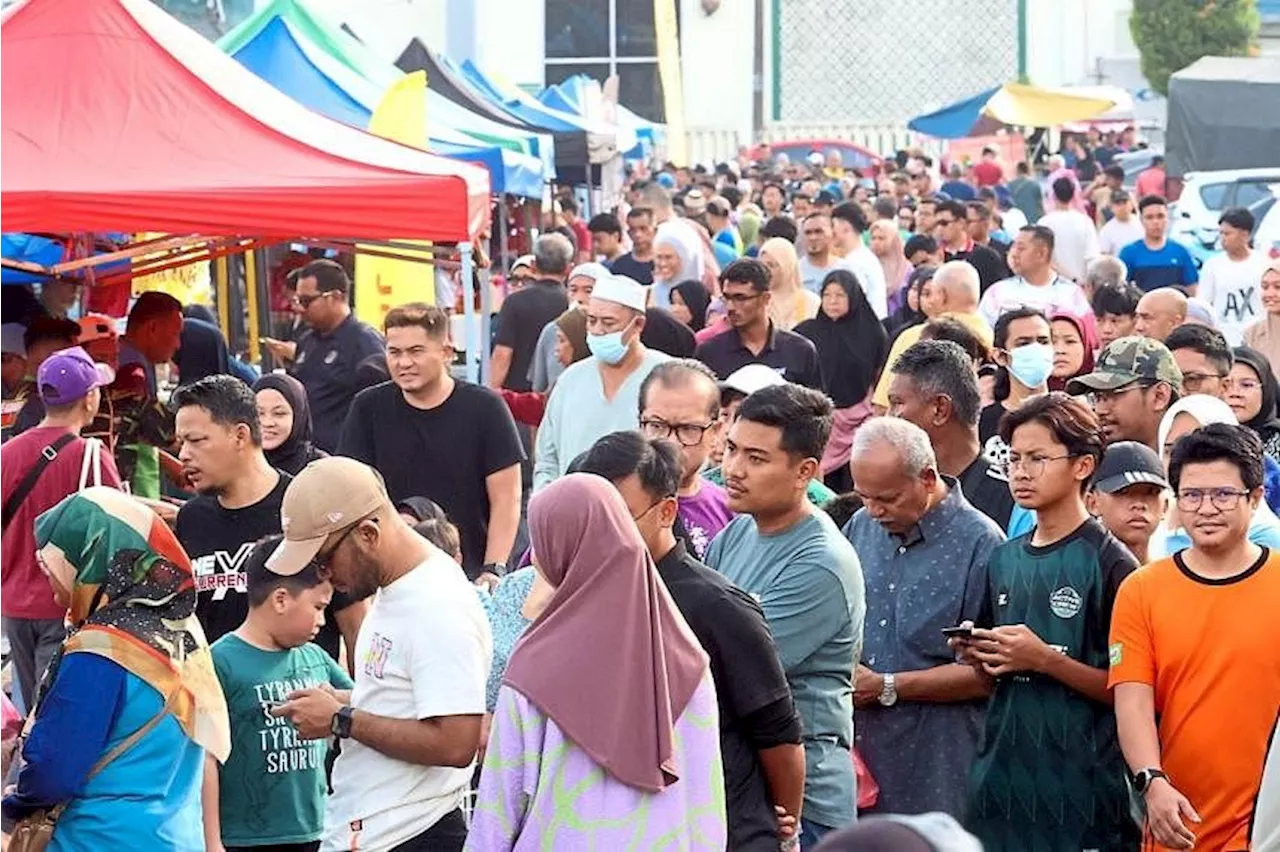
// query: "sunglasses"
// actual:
[[305, 301]]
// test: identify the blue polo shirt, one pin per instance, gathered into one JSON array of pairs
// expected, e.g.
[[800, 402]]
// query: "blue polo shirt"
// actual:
[[1168, 266], [326, 365]]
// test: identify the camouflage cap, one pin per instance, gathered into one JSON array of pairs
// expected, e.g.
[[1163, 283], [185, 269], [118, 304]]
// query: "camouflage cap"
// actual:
[[1128, 360]]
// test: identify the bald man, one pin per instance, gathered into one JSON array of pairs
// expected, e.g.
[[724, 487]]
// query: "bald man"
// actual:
[[954, 292], [1160, 312]]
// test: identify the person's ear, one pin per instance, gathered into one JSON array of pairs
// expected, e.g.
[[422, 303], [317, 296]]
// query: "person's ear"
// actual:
[[807, 470], [1091, 502], [943, 410], [1083, 467], [1254, 498], [667, 511], [279, 599]]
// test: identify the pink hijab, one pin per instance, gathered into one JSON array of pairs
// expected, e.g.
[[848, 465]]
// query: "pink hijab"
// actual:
[[610, 660]]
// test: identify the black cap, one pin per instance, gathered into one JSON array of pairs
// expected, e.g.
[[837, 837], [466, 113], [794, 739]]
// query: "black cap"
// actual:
[[1128, 463]]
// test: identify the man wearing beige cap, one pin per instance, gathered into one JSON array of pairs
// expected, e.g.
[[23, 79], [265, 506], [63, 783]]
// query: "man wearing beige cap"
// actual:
[[412, 723], [600, 394]]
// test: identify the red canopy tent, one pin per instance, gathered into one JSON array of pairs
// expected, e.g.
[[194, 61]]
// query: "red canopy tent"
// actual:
[[118, 118]]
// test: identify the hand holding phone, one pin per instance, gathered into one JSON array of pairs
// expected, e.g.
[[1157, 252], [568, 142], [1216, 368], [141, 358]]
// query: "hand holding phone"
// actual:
[[960, 631]]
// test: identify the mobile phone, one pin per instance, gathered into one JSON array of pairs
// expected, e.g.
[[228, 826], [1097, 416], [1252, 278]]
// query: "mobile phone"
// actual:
[[959, 632]]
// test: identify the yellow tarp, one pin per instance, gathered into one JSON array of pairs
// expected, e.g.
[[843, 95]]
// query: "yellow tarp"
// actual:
[[382, 283], [1020, 104]]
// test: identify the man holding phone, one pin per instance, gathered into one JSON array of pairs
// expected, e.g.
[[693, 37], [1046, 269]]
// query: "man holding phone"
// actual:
[[924, 551]]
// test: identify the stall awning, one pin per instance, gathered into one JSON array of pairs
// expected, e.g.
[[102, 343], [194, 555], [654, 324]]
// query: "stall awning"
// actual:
[[1012, 103], [118, 118]]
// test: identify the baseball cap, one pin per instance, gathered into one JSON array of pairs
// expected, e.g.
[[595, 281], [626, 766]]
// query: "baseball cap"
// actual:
[[69, 374], [1128, 463], [97, 327], [525, 260], [621, 290], [695, 202], [751, 378], [1128, 360], [11, 339], [327, 496], [719, 206]]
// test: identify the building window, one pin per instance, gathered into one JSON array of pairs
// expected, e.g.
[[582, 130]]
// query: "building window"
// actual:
[[604, 37]]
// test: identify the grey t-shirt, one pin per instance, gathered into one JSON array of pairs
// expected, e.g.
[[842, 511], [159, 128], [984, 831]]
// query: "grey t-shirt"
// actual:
[[545, 367]]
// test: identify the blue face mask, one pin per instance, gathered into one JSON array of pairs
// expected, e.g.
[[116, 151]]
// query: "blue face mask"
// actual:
[[609, 348], [1031, 364]]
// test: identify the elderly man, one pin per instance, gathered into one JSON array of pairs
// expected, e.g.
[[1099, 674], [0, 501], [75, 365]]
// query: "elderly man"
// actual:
[[1103, 271], [953, 292], [545, 367], [918, 713], [600, 394], [1134, 383], [1160, 312], [933, 385], [526, 312]]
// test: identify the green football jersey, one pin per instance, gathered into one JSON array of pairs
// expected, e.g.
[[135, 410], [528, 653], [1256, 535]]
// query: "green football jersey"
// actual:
[[1049, 776]]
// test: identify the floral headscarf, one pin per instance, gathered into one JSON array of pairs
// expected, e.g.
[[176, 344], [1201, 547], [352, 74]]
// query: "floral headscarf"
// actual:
[[133, 601]]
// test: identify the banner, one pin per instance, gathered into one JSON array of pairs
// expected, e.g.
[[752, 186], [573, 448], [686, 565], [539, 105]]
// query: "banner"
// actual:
[[664, 25], [383, 283]]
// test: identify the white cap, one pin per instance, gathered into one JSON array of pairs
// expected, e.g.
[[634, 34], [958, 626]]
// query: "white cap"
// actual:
[[752, 378], [621, 290], [594, 271], [524, 260], [815, 158], [12, 338]]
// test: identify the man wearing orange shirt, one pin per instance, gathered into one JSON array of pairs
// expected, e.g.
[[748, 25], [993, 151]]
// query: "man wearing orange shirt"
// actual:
[[1195, 643]]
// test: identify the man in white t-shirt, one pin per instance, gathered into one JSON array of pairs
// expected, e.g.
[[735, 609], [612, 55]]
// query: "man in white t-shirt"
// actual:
[[1075, 238], [1232, 281], [411, 726], [1123, 227], [1038, 286], [848, 225]]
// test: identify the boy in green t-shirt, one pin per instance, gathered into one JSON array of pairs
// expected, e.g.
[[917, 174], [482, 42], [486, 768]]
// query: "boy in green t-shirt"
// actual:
[[271, 790]]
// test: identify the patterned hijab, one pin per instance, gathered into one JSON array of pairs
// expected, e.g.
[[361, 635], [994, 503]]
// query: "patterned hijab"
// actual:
[[133, 601], [610, 659]]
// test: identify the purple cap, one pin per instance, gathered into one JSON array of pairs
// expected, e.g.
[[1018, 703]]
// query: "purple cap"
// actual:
[[69, 374]]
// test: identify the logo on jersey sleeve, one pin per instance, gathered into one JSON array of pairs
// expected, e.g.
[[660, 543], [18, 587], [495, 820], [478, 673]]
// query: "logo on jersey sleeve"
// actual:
[[1117, 653]]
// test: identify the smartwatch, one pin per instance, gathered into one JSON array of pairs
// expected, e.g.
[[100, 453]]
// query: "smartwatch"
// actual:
[[495, 568], [340, 724], [1144, 778], [889, 692]]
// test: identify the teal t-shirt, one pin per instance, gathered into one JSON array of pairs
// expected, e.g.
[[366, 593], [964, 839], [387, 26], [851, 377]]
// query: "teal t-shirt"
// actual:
[[808, 581], [272, 787]]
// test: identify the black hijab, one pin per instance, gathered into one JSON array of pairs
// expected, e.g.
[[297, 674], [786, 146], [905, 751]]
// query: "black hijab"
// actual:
[[202, 352], [697, 300], [906, 316], [297, 451], [1267, 421], [665, 333], [852, 349]]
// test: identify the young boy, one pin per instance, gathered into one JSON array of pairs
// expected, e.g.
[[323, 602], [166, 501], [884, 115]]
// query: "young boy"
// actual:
[[1049, 775], [1129, 495], [1115, 306], [270, 792]]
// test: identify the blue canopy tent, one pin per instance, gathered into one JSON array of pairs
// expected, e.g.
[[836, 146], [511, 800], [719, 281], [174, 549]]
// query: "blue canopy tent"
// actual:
[[45, 251], [571, 96], [303, 70]]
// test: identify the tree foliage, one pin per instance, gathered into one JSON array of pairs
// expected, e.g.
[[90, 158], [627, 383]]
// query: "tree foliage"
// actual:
[[1172, 34]]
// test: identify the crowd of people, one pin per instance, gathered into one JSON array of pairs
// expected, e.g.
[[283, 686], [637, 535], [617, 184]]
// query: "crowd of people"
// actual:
[[803, 509]]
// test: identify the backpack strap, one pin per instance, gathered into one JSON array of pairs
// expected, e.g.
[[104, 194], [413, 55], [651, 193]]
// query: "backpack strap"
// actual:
[[47, 455]]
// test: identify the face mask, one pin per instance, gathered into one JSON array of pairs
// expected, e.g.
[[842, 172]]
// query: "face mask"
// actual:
[[609, 348], [1031, 364]]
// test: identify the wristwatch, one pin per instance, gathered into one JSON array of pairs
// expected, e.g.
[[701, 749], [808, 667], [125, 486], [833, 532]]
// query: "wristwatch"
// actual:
[[495, 568], [1143, 778], [340, 724], [889, 692]]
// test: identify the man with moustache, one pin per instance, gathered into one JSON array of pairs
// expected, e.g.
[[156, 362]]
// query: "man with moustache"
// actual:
[[1134, 383]]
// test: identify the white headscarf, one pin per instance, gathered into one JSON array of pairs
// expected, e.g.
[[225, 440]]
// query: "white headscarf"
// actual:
[[682, 239]]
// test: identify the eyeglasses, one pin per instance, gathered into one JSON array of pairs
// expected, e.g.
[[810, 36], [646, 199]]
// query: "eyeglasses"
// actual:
[[686, 434], [741, 298], [321, 560], [1223, 499], [1032, 465], [305, 301], [1110, 396], [944, 222], [1244, 384], [1190, 380]]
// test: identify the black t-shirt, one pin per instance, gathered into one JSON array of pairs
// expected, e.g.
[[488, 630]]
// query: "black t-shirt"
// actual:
[[731, 628], [443, 453], [640, 270], [990, 265], [219, 541], [793, 355], [987, 490], [520, 322], [326, 365]]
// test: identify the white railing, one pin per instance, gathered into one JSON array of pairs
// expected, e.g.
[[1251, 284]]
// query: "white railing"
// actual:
[[710, 145]]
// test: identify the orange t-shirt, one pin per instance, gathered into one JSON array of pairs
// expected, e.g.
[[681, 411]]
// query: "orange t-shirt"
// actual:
[[1211, 652]]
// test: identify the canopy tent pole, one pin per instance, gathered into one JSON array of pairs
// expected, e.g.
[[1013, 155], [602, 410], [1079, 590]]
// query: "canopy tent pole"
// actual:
[[504, 249], [469, 313], [251, 302], [223, 295], [486, 320]]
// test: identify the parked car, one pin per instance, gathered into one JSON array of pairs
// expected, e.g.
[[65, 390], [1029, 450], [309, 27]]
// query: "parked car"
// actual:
[[1194, 216], [852, 155], [1135, 163]]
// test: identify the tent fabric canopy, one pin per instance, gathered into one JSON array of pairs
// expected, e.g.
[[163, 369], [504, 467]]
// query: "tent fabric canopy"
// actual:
[[1223, 114], [117, 117], [318, 76], [1012, 103]]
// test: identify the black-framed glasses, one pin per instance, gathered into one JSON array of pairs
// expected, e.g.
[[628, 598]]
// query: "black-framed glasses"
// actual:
[[1190, 380], [1224, 499], [305, 302], [686, 434], [1033, 465], [1110, 396], [741, 298]]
